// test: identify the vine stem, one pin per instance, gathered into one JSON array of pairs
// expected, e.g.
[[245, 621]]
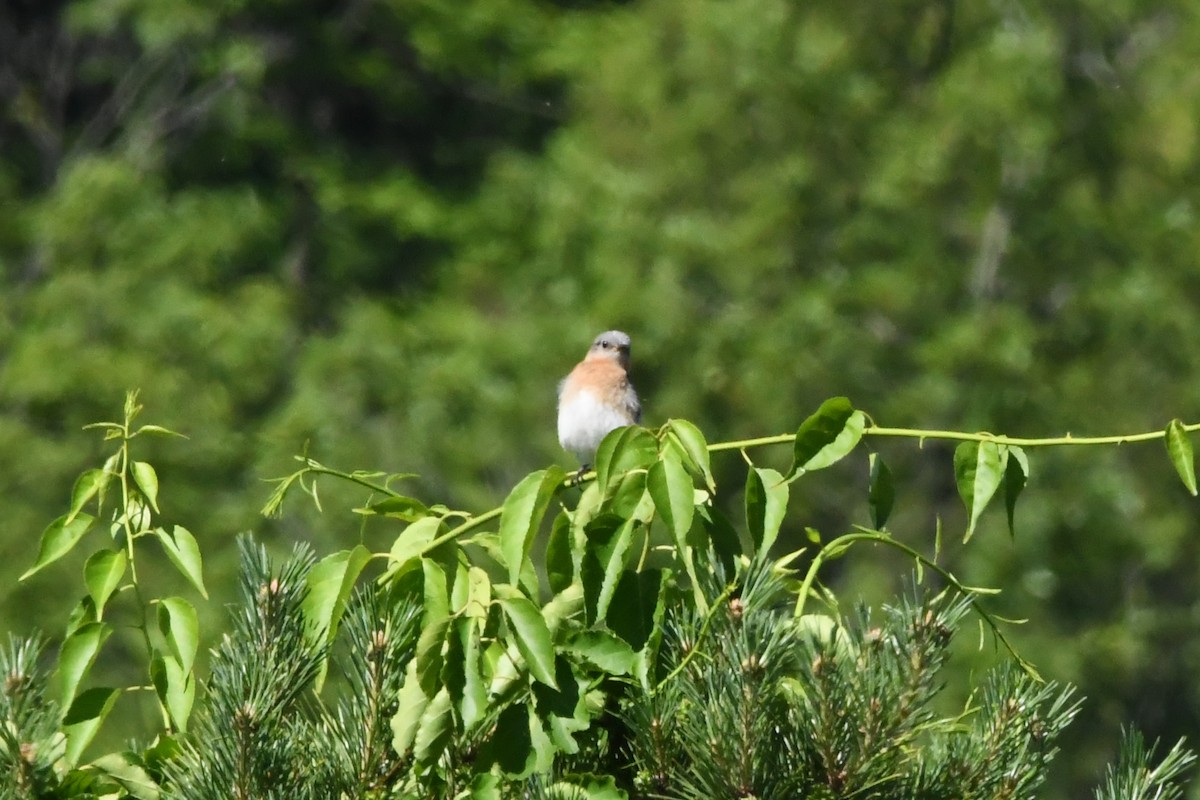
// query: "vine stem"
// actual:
[[959, 436]]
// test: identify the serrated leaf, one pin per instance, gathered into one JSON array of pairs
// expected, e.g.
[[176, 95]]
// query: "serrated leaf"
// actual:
[[522, 516], [411, 703], [182, 551], [530, 632], [622, 450], [693, 445], [58, 539], [1179, 449], [978, 470], [90, 484], [605, 650], [147, 480], [102, 574], [435, 728], [1016, 474], [826, 436], [766, 505], [881, 492], [76, 657], [178, 624]]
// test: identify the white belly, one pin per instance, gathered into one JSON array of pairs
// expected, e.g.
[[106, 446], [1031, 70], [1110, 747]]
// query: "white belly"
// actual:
[[583, 421]]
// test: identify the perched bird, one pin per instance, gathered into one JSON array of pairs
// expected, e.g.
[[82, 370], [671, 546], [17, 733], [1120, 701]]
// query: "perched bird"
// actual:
[[597, 397]]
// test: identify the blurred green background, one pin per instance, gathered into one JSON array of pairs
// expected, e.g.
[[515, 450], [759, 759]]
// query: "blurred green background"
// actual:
[[384, 229]]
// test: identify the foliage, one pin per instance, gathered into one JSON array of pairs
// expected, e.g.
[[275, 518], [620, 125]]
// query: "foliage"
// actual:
[[385, 228], [645, 646]]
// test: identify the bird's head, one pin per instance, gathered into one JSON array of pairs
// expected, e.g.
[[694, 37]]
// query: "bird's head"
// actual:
[[613, 345]]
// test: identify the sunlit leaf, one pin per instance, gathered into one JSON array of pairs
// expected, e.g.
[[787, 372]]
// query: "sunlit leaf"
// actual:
[[826, 436], [180, 628], [147, 480], [434, 625], [91, 704], [606, 650], [624, 449], [102, 574], [435, 728], [182, 550], [123, 769], [411, 703], [522, 516], [530, 631], [409, 546], [978, 471], [330, 582], [175, 687], [90, 484], [693, 445], [58, 539], [76, 657], [1179, 449], [766, 503]]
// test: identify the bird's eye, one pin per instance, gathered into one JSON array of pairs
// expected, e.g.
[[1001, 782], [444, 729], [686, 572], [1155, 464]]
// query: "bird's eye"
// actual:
[[605, 344]]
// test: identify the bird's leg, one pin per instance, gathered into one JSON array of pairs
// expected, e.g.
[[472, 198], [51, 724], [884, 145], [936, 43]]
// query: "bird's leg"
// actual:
[[577, 478]]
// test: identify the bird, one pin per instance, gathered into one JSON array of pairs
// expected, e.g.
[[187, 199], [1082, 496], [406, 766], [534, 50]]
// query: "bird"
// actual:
[[597, 397]]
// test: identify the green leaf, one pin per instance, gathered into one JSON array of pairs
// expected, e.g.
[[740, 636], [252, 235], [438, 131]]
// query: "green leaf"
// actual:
[[90, 484], [408, 509], [411, 703], [124, 770], [592, 787], [102, 574], [530, 631], [673, 492], [58, 539], [474, 704], [563, 606], [560, 564], [766, 505], [510, 746], [724, 539], [180, 628], [91, 704], [410, 545], [632, 615], [182, 550], [606, 650], [147, 480], [881, 494], [522, 516], [1016, 473], [978, 470], [622, 450], [175, 687], [1179, 449], [87, 714], [826, 436], [330, 582], [608, 541], [434, 625], [435, 728], [76, 657], [693, 445]]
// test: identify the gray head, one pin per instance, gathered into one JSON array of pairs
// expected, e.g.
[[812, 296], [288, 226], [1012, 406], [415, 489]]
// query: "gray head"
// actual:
[[611, 344]]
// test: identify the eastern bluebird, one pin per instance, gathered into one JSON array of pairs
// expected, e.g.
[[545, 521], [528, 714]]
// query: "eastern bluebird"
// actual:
[[597, 397]]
